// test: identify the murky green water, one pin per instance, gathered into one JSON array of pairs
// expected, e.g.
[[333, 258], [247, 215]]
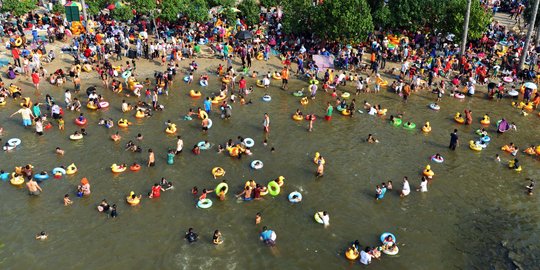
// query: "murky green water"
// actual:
[[475, 215]]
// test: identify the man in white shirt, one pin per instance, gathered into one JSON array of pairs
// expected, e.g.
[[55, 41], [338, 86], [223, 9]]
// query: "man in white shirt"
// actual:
[[365, 257], [55, 111]]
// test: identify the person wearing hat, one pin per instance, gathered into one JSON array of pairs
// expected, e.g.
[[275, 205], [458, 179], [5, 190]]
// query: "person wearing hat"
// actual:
[[84, 187]]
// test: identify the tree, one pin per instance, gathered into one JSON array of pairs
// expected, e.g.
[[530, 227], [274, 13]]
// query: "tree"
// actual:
[[345, 20], [228, 10], [58, 8], [270, 3], [18, 7], [169, 10], [298, 17], [195, 10], [250, 11], [95, 6], [478, 21], [416, 14], [122, 13], [143, 6]]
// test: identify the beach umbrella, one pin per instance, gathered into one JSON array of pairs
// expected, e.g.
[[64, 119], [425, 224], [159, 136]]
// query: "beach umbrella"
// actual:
[[530, 85], [244, 35]]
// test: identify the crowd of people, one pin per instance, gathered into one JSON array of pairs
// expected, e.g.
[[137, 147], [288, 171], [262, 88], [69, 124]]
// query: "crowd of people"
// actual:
[[412, 61]]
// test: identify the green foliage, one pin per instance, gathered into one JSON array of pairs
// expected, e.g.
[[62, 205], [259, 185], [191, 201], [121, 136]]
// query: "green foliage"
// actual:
[[122, 13], [250, 11], [478, 21], [18, 7], [381, 15], [169, 10], [195, 10], [95, 6], [345, 20], [143, 6], [270, 3], [58, 8], [298, 17], [228, 11]]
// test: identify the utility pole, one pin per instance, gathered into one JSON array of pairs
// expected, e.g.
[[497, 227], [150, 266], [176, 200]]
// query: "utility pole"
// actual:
[[466, 28], [85, 16], [529, 34]]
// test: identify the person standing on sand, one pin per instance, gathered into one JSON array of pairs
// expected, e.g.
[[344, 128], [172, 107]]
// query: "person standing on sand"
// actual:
[[266, 123]]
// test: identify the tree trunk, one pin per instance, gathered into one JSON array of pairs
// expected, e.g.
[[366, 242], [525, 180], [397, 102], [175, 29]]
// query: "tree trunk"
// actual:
[[529, 34], [466, 28]]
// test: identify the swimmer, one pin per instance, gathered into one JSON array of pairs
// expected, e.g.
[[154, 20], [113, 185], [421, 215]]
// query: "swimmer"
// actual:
[[140, 137], [204, 194], [220, 171], [67, 201], [196, 150], [217, 238], [191, 236], [220, 148], [389, 186], [83, 132], [114, 213], [406, 187], [265, 142], [325, 218], [530, 187], [59, 151], [166, 185], [371, 139], [497, 158], [194, 191], [103, 206], [258, 218], [41, 236]]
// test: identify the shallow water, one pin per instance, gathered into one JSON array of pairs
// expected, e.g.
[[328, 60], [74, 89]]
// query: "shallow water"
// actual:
[[475, 214]]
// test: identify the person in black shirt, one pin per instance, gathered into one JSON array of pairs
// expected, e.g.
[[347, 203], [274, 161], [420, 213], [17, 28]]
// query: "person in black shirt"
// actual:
[[191, 236], [454, 140]]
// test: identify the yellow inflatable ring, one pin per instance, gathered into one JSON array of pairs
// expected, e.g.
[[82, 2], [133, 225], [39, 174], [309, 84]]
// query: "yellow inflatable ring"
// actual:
[[260, 84], [203, 115], [123, 123], [171, 129], [316, 158], [71, 169], [132, 201], [218, 172], [16, 180], [139, 114], [276, 76], [195, 94], [224, 80], [346, 112], [297, 117], [91, 106], [18, 42], [118, 169]]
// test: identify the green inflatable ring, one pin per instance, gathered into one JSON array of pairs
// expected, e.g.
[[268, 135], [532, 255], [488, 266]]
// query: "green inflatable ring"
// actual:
[[273, 188]]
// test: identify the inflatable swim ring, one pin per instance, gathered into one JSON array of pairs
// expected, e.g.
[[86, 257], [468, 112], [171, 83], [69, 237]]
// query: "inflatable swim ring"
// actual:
[[133, 201], [71, 169], [126, 74], [459, 119], [409, 126], [434, 107], [4, 176], [345, 95], [298, 93], [267, 98], [218, 172], [135, 167], [16, 180], [273, 188], [186, 79], [171, 129], [382, 111], [428, 172], [123, 123], [221, 186], [257, 164], [294, 194], [474, 146], [91, 106], [58, 170], [14, 142], [249, 142], [206, 203], [386, 234], [459, 95], [75, 137], [41, 176], [118, 169], [392, 252], [317, 216], [104, 104], [304, 101], [352, 254], [203, 83], [139, 114], [195, 94], [485, 139], [79, 122], [485, 120], [313, 81], [297, 117], [437, 160], [276, 76], [260, 84], [396, 122]]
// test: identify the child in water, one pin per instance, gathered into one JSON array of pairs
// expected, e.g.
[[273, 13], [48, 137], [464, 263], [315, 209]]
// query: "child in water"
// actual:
[[41, 236], [258, 218]]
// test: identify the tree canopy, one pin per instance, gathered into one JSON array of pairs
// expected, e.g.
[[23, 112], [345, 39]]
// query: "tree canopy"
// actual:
[[249, 11], [122, 13], [18, 7]]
